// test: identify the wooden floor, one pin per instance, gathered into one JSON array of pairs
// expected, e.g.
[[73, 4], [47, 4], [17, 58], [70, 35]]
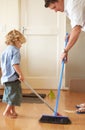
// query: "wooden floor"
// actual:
[[30, 113]]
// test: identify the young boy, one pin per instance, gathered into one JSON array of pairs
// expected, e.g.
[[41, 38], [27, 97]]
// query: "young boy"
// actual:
[[11, 72]]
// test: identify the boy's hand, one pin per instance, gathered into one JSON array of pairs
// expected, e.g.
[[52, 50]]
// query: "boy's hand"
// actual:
[[21, 77]]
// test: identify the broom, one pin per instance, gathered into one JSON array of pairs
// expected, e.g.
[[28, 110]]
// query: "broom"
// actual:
[[57, 119]]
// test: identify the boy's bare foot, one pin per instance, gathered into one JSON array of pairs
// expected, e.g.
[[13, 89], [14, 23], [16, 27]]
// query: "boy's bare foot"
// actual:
[[8, 114], [14, 113]]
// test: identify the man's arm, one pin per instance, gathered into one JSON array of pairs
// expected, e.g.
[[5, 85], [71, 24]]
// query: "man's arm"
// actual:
[[72, 38], [74, 35]]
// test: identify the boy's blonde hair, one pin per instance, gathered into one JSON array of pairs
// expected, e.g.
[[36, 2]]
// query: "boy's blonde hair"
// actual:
[[13, 36]]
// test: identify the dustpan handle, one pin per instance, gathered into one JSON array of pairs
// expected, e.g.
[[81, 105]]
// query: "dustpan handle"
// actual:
[[60, 81]]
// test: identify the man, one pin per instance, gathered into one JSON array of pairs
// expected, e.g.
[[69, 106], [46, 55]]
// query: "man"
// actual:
[[75, 11]]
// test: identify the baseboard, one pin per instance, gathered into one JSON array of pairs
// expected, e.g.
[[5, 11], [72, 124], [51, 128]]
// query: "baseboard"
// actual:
[[42, 82]]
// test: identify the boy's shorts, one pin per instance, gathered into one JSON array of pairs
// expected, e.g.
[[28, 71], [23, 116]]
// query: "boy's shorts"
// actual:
[[12, 93]]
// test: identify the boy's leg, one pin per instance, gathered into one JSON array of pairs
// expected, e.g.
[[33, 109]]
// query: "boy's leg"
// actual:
[[8, 113], [13, 111], [7, 110]]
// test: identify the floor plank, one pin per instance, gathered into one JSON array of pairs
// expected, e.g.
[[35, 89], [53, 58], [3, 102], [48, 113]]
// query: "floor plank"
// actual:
[[30, 113]]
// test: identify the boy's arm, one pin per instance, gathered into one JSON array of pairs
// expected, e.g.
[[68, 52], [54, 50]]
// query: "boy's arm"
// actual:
[[19, 72]]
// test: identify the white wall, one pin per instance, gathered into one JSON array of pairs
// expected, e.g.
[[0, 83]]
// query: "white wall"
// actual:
[[9, 19]]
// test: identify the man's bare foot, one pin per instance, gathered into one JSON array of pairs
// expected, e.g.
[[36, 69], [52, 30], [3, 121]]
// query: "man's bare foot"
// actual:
[[81, 110], [80, 105]]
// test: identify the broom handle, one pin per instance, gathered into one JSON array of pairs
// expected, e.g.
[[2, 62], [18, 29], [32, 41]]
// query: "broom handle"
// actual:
[[60, 81], [27, 85]]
